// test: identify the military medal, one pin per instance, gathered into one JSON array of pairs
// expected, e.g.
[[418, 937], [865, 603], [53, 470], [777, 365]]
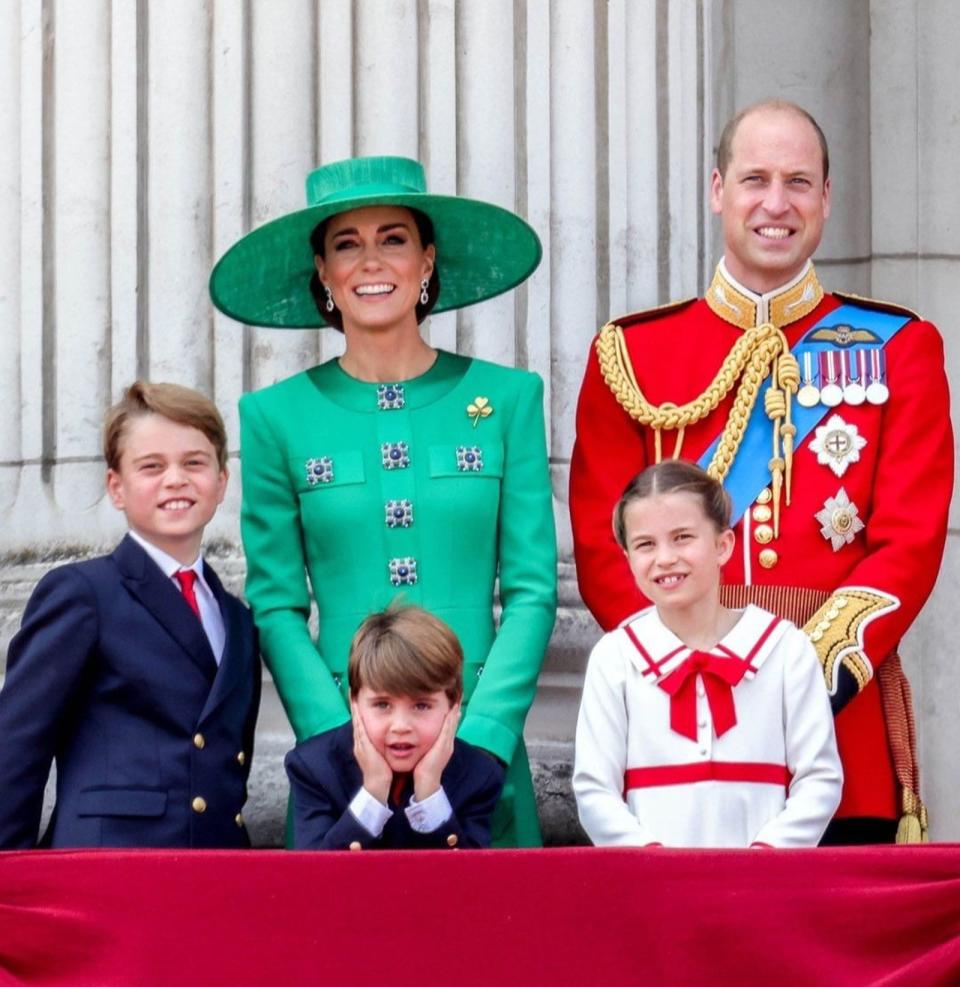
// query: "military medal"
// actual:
[[839, 520], [877, 390], [837, 444], [809, 394], [831, 394], [854, 392]]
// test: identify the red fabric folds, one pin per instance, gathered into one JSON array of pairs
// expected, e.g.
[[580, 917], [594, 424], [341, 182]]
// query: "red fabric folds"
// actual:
[[855, 916]]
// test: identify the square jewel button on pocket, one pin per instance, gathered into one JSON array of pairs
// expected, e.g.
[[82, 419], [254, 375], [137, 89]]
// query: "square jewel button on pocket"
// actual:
[[319, 470], [469, 459]]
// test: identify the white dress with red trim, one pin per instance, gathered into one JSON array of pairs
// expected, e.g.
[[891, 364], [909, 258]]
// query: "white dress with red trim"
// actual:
[[727, 748]]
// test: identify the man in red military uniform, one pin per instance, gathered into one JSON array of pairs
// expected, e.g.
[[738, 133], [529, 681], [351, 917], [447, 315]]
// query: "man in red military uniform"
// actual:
[[827, 418]]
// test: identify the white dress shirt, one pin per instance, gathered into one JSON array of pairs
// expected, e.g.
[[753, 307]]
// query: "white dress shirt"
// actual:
[[425, 817], [210, 615]]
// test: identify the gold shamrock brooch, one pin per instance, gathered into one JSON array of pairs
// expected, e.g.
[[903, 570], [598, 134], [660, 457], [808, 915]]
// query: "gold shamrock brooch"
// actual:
[[479, 408]]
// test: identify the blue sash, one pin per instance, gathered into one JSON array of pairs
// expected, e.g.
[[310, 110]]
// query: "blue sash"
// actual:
[[749, 473]]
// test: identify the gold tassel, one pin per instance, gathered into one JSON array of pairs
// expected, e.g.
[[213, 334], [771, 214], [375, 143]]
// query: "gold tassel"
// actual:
[[909, 829], [912, 827], [776, 476]]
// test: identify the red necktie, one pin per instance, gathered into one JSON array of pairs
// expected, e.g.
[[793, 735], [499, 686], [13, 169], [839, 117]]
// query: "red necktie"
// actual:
[[719, 676], [186, 578]]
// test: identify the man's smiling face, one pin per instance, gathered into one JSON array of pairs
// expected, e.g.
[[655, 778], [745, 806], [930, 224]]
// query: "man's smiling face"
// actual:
[[773, 199]]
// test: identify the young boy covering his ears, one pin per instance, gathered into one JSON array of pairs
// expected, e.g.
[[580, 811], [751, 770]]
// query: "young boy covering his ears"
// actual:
[[396, 777]]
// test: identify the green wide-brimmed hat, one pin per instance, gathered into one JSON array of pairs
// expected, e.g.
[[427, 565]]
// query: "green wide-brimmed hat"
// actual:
[[482, 249]]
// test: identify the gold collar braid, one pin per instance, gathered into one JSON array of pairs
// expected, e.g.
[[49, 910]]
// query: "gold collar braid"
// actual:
[[760, 352]]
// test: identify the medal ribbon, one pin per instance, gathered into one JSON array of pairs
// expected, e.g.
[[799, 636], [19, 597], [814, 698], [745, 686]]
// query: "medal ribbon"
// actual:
[[719, 676], [749, 473]]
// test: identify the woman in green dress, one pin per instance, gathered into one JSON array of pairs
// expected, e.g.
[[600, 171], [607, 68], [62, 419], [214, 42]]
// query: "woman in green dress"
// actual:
[[397, 469]]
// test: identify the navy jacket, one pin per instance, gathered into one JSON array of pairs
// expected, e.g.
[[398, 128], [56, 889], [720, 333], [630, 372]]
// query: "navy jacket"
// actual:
[[111, 674], [324, 778]]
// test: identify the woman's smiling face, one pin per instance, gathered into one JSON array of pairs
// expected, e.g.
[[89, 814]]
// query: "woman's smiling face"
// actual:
[[374, 264]]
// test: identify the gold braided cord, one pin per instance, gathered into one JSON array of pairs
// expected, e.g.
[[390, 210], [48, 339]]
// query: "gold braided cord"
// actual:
[[788, 377], [750, 362], [618, 373]]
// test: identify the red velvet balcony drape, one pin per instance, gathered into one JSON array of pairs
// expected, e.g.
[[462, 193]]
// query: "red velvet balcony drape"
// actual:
[[579, 916]]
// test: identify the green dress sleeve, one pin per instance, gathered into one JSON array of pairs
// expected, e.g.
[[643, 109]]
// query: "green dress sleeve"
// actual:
[[276, 585], [527, 572]]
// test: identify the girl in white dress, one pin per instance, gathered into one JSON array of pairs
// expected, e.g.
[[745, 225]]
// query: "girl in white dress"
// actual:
[[700, 726]]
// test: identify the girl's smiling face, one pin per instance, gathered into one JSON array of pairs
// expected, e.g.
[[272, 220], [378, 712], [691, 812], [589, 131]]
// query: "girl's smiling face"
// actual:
[[674, 550]]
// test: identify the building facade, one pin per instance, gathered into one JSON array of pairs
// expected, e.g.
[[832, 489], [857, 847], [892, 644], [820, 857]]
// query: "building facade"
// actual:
[[139, 139]]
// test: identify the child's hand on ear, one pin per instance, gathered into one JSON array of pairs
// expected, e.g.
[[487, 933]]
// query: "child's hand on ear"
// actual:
[[426, 774], [377, 776]]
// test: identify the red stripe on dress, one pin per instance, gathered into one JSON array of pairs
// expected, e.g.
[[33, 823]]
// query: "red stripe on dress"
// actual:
[[748, 661], [760, 642], [687, 774], [652, 666]]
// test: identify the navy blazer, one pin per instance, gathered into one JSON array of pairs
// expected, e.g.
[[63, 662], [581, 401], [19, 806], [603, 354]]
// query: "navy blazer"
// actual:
[[324, 778], [112, 675]]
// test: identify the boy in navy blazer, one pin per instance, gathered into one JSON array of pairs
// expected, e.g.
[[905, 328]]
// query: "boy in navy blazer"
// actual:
[[396, 776], [137, 672]]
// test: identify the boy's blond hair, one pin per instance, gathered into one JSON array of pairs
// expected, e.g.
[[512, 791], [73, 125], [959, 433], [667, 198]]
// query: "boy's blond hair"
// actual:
[[406, 651], [180, 404]]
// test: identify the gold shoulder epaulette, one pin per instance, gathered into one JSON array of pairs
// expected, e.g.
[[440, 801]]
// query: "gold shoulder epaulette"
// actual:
[[634, 318], [874, 303]]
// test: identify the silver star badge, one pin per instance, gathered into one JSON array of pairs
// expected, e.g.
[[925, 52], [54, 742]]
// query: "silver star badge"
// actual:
[[839, 520], [837, 445]]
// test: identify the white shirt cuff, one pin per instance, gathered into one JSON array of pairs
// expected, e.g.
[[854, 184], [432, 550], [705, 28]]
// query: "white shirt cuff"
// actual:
[[431, 813], [369, 812]]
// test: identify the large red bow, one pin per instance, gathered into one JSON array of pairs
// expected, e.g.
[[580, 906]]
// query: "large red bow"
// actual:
[[719, 676]]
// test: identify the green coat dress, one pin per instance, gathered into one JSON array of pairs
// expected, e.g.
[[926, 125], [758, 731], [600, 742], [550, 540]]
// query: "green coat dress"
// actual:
[[374, 492]]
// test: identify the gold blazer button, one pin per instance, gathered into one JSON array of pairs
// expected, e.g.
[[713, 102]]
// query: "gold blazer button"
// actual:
[[768, 558]]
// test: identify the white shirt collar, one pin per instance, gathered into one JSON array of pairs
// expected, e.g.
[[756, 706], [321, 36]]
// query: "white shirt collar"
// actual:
[[167, 563]]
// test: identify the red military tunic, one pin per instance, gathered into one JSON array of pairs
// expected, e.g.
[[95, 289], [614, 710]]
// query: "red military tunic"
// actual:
[[899, 488]]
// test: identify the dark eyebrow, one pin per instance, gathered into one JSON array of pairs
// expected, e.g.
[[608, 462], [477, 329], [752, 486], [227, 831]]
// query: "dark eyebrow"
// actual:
[[353, 231]]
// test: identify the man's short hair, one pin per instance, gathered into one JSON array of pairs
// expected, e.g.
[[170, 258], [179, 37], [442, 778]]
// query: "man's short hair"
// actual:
[[406, 651], [180, 404], [725, 147]]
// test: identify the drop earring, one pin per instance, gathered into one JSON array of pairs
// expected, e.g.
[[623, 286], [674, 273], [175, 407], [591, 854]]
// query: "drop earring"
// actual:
[[424, 297], [329, 306]]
